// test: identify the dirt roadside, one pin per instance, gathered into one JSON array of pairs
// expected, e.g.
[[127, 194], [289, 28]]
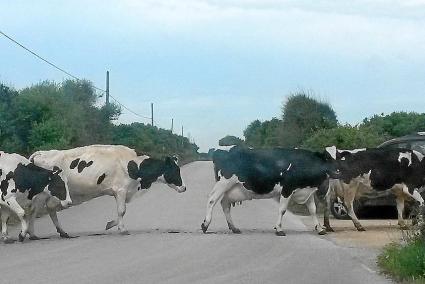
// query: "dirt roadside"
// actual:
[[378, 232]]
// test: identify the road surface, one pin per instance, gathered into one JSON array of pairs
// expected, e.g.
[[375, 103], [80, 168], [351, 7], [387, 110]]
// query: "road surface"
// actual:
[[166, 244]]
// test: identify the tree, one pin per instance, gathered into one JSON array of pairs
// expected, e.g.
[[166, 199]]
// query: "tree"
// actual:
[[302, 115], [396, 124], [263, 134], [344, 137], [230, 140]]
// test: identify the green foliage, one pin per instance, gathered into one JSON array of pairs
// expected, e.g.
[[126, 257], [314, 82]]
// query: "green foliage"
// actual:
[[62, 116], [302, 116], [397, 123], [154, 141], [263, 134], [404, 262], [344, 137], [230, 140]]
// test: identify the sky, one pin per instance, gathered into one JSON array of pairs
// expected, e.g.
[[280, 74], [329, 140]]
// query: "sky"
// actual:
[[217, 65]]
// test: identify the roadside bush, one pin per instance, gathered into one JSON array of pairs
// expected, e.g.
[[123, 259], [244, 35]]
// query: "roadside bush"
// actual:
[[406, 261]]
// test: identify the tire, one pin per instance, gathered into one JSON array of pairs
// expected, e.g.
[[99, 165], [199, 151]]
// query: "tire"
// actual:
[[339, 211]]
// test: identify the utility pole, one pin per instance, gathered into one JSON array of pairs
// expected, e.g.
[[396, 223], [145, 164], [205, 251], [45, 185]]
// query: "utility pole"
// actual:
[[172, 125], [182, 135], [107, 88], [152, 114]]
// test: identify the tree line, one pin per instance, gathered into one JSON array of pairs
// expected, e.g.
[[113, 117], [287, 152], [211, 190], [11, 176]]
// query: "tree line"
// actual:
[[309, 123], [65, 115]]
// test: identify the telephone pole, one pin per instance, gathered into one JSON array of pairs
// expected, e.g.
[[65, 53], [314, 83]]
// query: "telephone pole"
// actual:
[[107, 88], [182, 135], [172, 125], [152, 114]]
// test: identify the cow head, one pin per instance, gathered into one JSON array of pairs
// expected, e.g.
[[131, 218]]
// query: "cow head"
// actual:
[[332, 163], [58, 187], [172, 174], [151, 170]]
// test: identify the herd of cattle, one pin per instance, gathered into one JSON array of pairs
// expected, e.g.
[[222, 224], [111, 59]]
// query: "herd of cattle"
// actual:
[[56, 179]]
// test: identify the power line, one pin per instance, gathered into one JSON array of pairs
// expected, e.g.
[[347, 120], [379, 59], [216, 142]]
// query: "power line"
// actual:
[[142, 116], [67, 73]]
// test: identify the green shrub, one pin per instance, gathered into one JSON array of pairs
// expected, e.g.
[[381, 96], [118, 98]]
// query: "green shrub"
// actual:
[[404, 262]]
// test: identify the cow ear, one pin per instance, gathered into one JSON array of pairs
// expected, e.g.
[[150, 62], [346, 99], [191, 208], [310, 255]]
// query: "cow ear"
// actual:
[[133, 170]]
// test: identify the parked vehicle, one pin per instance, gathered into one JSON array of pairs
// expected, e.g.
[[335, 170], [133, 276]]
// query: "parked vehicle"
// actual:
[[414, 141]]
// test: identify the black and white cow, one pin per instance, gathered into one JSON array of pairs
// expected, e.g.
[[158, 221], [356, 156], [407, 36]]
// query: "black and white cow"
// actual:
[[115, 170], [20, 177], [377, 169], [281, 174]]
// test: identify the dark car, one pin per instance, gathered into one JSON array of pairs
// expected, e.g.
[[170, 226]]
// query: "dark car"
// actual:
[[414, 141]]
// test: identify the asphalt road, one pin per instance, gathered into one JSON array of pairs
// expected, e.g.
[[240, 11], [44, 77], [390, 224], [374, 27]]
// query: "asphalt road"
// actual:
[[166, 244]]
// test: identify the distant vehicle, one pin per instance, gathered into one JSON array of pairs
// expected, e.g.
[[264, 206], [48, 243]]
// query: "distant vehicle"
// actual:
[[415, 142]]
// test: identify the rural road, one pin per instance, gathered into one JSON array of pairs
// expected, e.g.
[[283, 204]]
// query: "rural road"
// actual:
[[166, 244]]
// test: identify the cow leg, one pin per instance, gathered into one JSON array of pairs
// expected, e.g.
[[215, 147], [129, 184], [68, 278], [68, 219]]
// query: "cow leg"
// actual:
[[283, 205], [5, 214], [400, 209], [225, 204], [217, 192], [54, 217], [356, 222], [37, 204], [311, 206], [415, 195], [326, 223], [17, 209], [121, 208]]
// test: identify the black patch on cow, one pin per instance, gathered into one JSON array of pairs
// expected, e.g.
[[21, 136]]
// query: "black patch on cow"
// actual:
[[385, 168], [1, 172], [35, 179], [133, 170], [259, 170], [74, 163], [83, 164], [101, 178], [4, 184], [150, 169]]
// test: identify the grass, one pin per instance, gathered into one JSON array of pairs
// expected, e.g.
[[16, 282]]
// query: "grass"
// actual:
[[404, 262]]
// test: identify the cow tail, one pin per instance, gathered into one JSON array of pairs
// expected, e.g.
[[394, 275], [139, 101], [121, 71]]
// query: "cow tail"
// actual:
[[31, 158]]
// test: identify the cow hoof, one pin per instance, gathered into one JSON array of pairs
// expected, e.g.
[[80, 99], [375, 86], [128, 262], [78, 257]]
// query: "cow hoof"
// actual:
[[124, 233], [280, 233], [204, 228], [110, 224], [329, 229], [404, 227], [8, 241], [361, 229], [236, 231], [21, 237], [64, 235], [34, 238], [322, 232]]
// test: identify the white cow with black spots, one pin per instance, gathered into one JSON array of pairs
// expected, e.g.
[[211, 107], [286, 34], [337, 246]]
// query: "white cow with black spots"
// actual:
[[114, 170], [20, 178]]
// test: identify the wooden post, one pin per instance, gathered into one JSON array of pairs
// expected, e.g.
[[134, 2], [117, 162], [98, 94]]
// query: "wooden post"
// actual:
[[182, 136], [152, 114], [107, 88]]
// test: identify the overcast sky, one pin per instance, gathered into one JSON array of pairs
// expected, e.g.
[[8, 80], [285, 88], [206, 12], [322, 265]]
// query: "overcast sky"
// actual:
[[214, 66]]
